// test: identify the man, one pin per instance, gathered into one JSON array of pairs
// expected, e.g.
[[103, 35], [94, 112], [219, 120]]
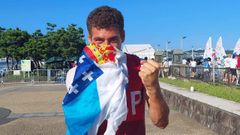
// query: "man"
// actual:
[[193, 65], [106, 26], [238, 69], [166, 67], [233, 64], [227, 72]]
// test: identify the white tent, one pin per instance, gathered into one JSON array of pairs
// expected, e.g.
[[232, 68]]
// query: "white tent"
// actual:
[[141, 50]]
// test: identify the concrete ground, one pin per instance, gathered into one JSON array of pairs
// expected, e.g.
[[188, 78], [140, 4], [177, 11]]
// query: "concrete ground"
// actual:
[[36, 110]]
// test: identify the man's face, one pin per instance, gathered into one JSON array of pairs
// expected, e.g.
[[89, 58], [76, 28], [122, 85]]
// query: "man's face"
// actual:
[[110, 36]]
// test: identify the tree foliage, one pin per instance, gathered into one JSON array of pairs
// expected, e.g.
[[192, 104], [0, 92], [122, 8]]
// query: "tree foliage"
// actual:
[[11, 40], [16, 44]]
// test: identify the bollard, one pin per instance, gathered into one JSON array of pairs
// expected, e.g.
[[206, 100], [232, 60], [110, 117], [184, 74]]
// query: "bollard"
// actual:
[[192, 89]]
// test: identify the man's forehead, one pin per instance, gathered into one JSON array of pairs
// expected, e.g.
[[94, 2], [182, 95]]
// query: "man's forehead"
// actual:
[[105, 32], [107, 29]]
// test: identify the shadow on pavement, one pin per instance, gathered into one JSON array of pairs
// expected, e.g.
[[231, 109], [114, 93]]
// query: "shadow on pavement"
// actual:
[[4, 113], [6, 120]]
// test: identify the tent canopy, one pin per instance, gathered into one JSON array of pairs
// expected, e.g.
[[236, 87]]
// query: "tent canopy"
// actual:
[[55, 59]]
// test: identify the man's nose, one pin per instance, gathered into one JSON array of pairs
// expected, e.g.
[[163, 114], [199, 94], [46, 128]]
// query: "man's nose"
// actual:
[[106, 42]]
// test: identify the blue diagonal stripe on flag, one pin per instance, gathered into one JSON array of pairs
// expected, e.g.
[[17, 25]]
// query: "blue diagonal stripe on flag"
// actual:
[[86, 72], [97, 93], [80, 120]]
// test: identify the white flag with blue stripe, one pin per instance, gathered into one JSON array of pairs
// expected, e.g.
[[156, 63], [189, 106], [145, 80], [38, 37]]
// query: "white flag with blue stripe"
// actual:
[[96, 93]]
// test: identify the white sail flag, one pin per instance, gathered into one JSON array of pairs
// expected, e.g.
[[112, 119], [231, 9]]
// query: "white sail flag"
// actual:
[[237, 48], [208, 52], [219, 50]]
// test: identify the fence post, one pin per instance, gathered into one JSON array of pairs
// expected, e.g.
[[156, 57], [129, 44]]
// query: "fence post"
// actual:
[[48, 74], [228, 76], [179, 74], [24, 76]]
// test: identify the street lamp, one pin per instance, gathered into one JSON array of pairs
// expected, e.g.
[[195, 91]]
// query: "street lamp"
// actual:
[[183, 37], [192, 52], [168, 42], [158, 47]]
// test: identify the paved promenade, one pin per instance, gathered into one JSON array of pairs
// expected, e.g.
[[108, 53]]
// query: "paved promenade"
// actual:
[[36, 110]]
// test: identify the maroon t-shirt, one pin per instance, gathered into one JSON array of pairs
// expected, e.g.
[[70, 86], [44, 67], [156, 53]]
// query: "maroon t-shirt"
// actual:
[[135, 123]]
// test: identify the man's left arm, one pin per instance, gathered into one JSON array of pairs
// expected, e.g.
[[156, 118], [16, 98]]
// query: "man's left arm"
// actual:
[[158, 108]]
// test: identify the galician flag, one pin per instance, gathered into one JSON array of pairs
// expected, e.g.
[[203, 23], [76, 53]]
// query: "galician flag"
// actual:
[[97, 92]]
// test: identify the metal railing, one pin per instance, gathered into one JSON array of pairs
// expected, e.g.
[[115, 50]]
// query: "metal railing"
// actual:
[[224, 76], [37, 75], [216, 75]]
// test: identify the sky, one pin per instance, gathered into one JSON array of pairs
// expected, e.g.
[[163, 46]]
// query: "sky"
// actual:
[[152, 22]]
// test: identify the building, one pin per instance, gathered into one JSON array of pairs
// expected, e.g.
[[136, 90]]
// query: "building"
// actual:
[[141, 50], [3, 59]]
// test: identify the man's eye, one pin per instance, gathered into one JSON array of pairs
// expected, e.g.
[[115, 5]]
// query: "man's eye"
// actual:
[[114, 40], [98, 41]]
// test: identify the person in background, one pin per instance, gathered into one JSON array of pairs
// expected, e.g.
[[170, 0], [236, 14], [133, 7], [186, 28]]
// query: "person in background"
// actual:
[[219, 63], [165, 67], [219, 66], [227, 73], [193, 65], [206, 69], [238, 69], [233, 65], [184, 61]]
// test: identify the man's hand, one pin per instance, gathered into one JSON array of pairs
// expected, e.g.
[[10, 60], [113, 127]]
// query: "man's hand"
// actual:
[[158, 109], [149, 73]]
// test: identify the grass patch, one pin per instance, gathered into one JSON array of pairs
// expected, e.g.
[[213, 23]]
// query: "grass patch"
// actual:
[[221, 91]]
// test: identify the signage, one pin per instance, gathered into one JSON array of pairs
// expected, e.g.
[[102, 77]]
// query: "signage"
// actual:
[[25, 65]]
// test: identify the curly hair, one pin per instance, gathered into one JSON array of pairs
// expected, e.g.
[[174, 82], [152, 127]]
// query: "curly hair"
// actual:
[[105, 17]]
